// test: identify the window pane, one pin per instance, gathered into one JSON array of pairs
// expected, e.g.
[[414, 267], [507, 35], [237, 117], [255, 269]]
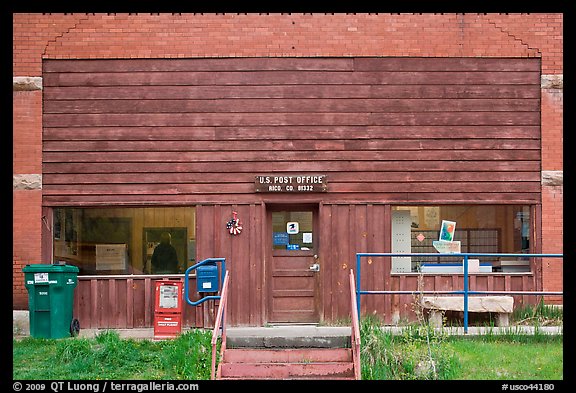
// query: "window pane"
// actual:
[[106, 241], [479, 229], [292, 230]]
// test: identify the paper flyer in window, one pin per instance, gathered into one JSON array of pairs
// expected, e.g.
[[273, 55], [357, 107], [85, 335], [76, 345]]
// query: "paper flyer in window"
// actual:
[[447, 230], [111, 256]]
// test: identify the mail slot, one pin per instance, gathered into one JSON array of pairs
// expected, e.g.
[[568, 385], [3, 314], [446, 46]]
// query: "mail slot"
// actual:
[[207, 277]]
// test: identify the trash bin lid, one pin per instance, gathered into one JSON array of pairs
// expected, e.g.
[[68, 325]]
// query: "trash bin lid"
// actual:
[[47, 268]]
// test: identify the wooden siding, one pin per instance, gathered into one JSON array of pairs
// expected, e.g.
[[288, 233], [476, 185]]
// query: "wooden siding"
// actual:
[[243, 253], [128, 302], [346, 229], [385, 130], [350, 229]]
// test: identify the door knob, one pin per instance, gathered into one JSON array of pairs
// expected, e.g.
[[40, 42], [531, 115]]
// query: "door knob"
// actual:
[[315, 267]]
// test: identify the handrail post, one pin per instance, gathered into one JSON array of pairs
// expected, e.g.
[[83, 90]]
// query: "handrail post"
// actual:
[[355, 333], [358, 284], [466, 294], [219, 323]]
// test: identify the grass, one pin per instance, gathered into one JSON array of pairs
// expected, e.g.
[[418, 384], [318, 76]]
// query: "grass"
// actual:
[[109, 357], [423, 353], [539, 315], [507, 359], [418, 353]]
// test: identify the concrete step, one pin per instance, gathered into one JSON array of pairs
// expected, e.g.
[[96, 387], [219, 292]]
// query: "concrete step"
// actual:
[[313, 370], [288, 342], [287, 355], [286, 363], [289, 337]]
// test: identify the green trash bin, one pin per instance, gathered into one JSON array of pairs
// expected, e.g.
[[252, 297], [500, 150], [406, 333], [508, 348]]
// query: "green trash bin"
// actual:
[[51, 300]]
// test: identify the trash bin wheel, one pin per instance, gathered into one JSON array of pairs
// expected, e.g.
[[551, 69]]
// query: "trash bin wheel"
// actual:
[[74, 327]]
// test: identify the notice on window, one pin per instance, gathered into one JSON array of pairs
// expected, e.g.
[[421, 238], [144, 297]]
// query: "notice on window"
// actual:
[[307, 237], [292, 228], [111, 256], [281, 238], [447, 230]]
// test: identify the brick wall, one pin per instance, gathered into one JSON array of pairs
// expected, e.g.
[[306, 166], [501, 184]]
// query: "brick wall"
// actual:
[[552, 195], [552, 129], [27, 141], [231, 35], [26, 197], [27, 213], [552, 240], [144, 35]]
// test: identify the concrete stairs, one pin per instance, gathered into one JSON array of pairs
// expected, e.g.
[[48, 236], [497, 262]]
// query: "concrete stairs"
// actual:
[[287, 357], [293, 363]]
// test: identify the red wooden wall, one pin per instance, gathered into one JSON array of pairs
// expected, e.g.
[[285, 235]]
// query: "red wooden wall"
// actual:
[[346, 230], [128, 302], [186, 131], [197, 131]]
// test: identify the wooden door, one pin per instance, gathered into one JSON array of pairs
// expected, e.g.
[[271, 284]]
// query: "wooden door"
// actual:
[[294, 267]]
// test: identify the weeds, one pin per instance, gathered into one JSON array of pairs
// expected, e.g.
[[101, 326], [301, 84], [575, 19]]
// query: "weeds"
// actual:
[[513, 334], [420, 351], [416, 353], [539, 315], [188, 356]]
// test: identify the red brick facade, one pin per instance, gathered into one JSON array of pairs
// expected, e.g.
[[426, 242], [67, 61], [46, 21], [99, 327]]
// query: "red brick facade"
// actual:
[[144, 35]]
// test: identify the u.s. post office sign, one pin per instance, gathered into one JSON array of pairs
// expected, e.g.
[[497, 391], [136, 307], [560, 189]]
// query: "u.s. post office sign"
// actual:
[[291, 183]]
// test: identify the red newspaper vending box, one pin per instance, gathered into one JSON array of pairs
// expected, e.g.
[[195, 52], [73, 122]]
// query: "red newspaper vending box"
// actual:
[[168, 309]]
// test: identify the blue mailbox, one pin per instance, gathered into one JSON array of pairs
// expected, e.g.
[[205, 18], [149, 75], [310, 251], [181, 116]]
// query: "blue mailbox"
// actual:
[[207, 278]]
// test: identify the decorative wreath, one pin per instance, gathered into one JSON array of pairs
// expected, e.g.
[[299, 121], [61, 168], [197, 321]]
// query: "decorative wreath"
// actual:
[[234, 226]]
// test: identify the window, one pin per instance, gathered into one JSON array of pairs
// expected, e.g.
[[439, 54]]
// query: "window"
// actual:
[[105, 241], [292, 230], [479, 229]]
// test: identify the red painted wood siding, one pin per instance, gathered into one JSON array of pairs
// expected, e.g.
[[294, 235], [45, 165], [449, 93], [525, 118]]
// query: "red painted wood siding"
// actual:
[[244, 255], [346, 229], [350, 229], [395, 130], [128, 302]]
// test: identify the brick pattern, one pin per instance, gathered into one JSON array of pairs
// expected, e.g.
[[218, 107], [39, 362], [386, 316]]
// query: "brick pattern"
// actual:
[[552, 239], [537, 31], [80, 35], [169, 35], [552, 108], [31, 35], [287, 35], [26, 228], [27, 135]]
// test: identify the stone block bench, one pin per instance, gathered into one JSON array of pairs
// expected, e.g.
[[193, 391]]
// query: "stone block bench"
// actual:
[[437, 305]]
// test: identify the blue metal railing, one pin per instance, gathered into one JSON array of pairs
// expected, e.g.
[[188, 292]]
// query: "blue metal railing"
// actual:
[[187, 284], [466, 291]]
